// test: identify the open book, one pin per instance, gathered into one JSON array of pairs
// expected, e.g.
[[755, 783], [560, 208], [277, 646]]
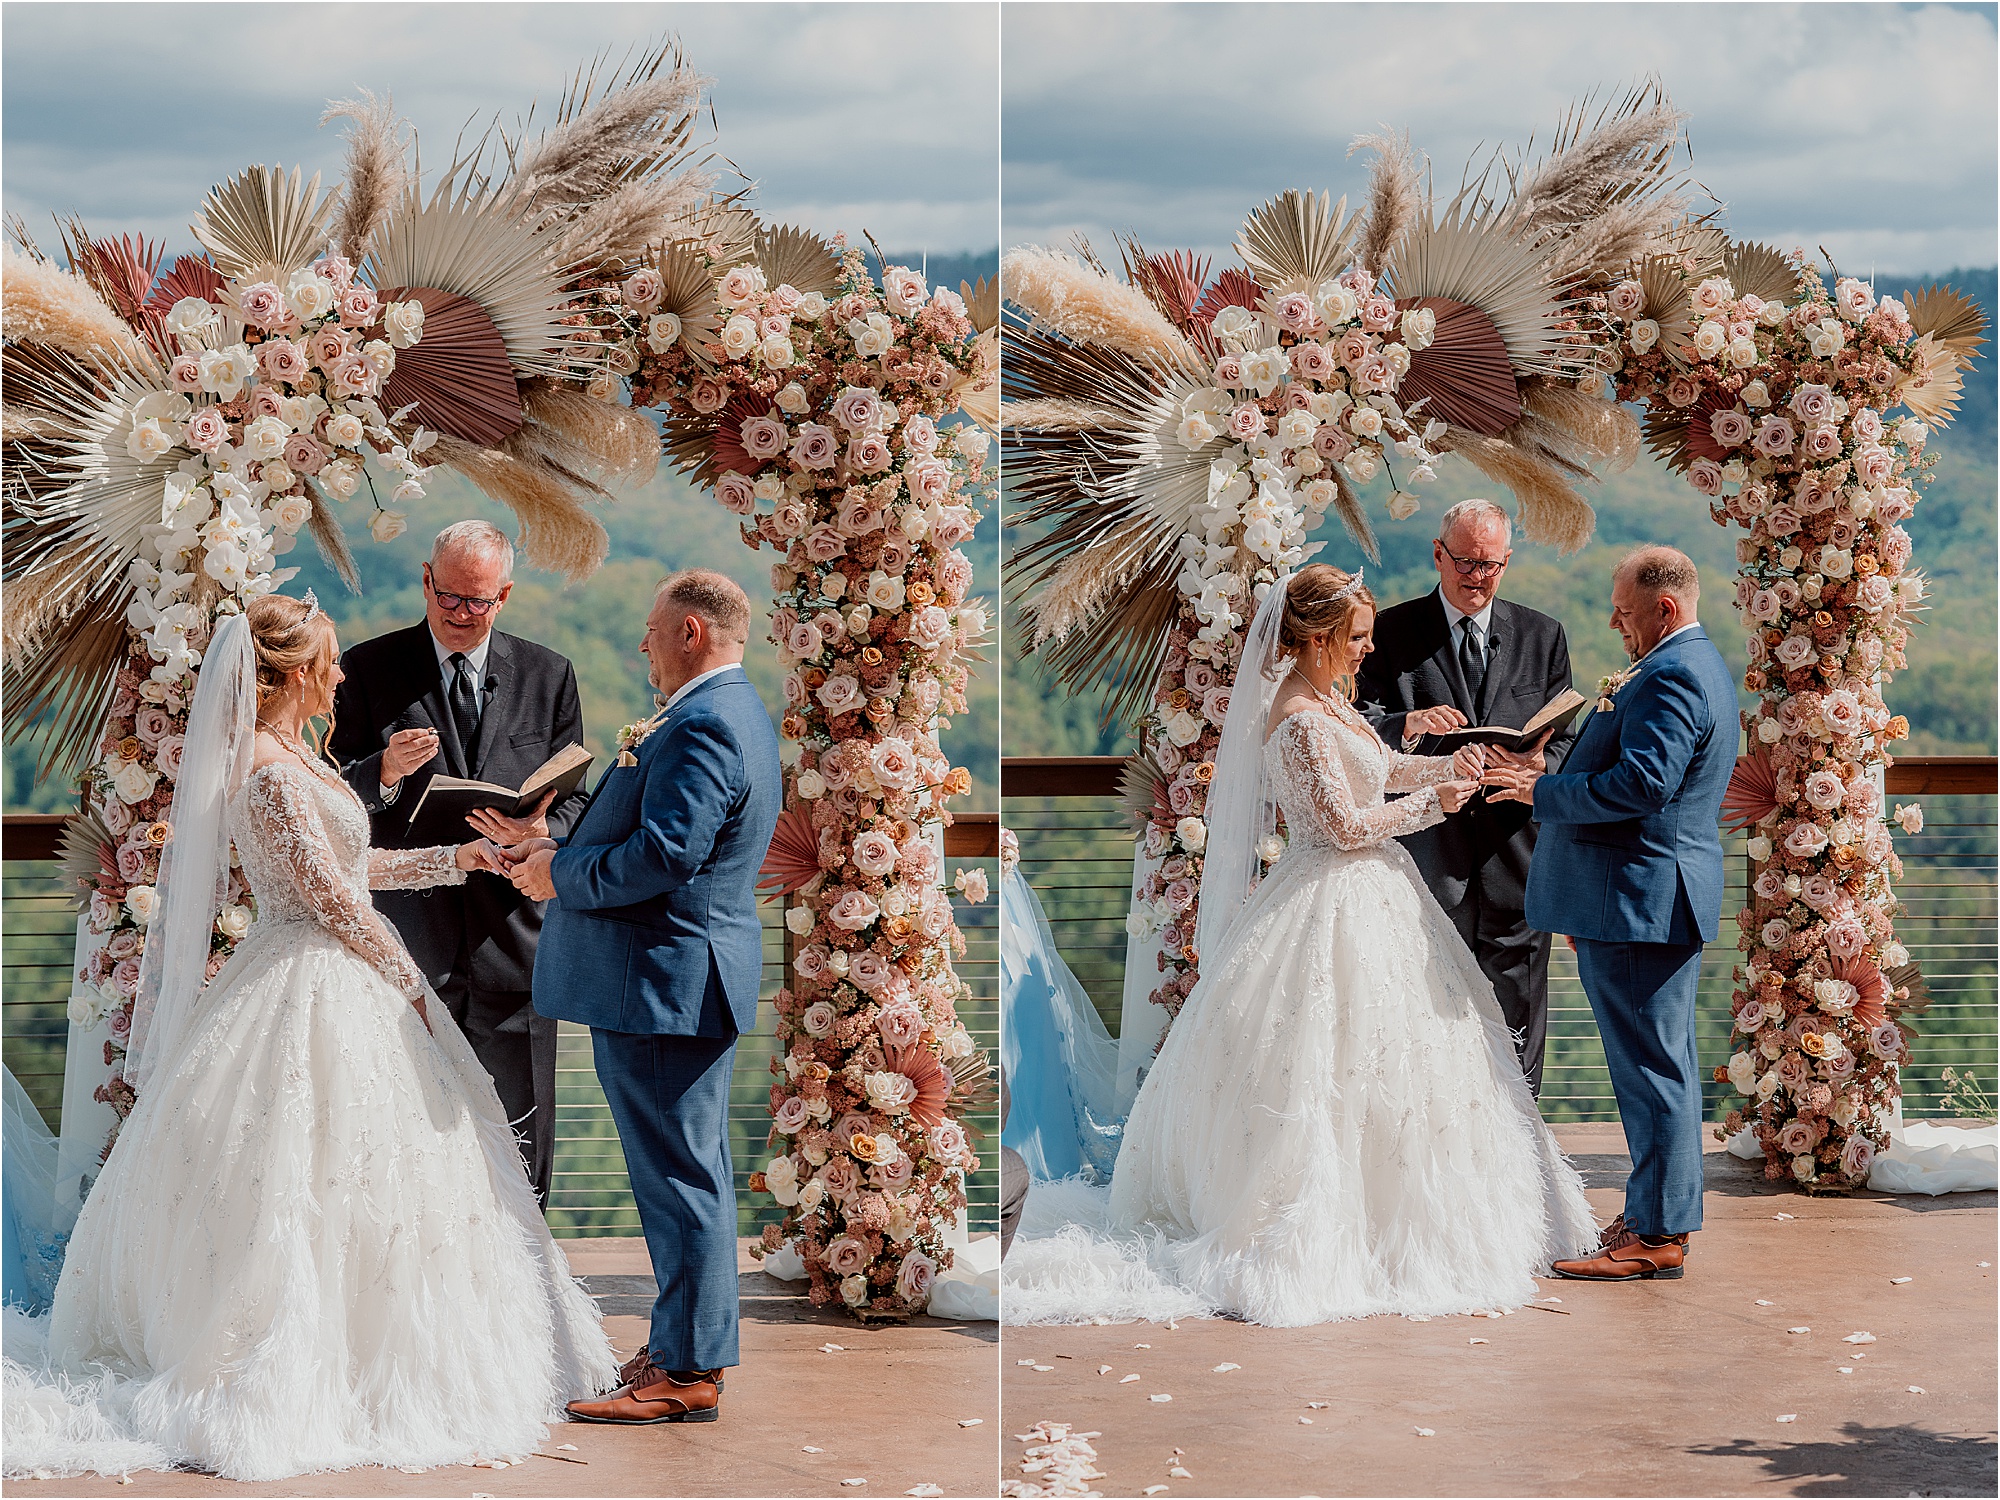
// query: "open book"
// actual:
[[1553, 719], [439, 816]]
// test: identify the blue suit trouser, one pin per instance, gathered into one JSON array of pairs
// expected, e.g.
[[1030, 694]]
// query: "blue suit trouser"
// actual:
[[669, 1097], [1643, 995]]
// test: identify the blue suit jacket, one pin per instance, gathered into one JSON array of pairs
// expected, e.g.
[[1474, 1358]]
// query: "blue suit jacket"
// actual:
[[654, 927], [1630, 848]]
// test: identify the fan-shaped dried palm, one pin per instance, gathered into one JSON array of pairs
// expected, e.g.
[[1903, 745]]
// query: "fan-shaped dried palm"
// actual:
[[557, 532], [458, 375], [262, 226], [690, 445], [1934, 384], [188, 276], [376, 175], [1664, 281], [921, 1066], [797, 258], [792, 861], [687, 290], [1171, 282], [85, 852], [1395, 191], [1908, 995], [1950, 318], [1753, 791], [1551, 512], [465, 241], [726, 448], [41, 303], [1871, 989], [1759, 271], [1142, 793], [982, 302], [1296, 241], [727, 232], [975, 1091], [977, 392], [1233, 288], [1699, 244], [1474, 260], [1082, 302], [122, 270], [1463, 375]]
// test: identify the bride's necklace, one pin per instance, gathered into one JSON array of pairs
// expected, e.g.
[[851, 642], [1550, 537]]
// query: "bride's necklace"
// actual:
[[289, 744]]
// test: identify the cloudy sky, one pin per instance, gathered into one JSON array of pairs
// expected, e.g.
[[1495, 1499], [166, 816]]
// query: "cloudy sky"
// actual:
[[1868, 129], [849, 117]]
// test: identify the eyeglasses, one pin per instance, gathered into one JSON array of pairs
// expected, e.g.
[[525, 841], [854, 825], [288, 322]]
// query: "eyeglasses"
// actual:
[[1472, 567], [452, 603]]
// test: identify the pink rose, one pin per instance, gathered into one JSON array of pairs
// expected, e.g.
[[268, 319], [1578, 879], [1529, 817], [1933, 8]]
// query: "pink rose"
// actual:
[[846, 1255], [823, 544], [858, 408], [206, 430], [764, 437], [185, 374], [875, 854], [1352, 347], [1683, 390], [1729, 428], [1374, 373], [1842, 712], [263, 304], [737, 494], [841, 694], [304, 454], [811, 963], [954, 578], [1751, 1016], [1245, 422], [920, 435], [948, 1141], [913, 1280], [709, 395], [131, 863], [151, 724], [868, 453], [1310, 361], [1813, 404], [900, 1025], [818, 1019], [929, 481], [358, 306], [853, 911], [894, 1176], [1378, 314], [1846, 938], [1774, 437], [284, 361], [1886, 1041], [1294, 312], [1763, 606], [930, 627], [1705, 474], [1822, 443], [1796, 1138], [167, 756], [1332, 444], [792, 1116], [895, 554], [1229, 371], [328, 346], [952, 526], [894, 764], [1857, 1156], [842, 1178], [642, 290], [121, 1018]]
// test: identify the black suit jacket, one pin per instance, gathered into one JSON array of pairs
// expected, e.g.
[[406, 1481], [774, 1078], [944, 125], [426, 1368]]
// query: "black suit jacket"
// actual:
[[531, 711], [1415, 665]]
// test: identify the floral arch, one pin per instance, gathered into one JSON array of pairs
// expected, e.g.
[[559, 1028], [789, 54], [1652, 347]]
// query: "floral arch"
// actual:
[[1177, 435], [171, 429]]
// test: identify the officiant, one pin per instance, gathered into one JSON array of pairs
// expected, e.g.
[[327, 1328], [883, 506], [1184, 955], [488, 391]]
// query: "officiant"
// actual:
[[453, 696], [1461, 655]]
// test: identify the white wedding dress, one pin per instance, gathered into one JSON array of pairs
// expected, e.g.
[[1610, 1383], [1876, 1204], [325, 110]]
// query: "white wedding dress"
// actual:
[[1337, 1125], [314, 1245]]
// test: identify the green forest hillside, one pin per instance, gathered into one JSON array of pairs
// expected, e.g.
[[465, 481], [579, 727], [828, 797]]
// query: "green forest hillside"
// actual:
[[666, 525], [1947, 693]]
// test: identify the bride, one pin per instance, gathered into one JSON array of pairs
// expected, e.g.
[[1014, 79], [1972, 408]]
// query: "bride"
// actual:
[[1336, 1125], [314, 1245]]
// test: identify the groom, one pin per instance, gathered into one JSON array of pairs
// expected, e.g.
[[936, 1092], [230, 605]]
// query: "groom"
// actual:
[[1630, 865], [652, 940]]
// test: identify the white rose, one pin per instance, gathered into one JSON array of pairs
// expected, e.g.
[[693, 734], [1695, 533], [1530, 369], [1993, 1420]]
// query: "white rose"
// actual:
[[781, 1178], [1643, 335], [854, 1290], [85, 1010], [135, 781], [309, 294], [885, 591], [792, 399], [1270, 847], [291, 512], [387, 525], [811, 785], [1743, 1072], [777, 352], [193, 317], [1365, 421], [1139, 921], [1336, 304], [970, 439], [799, 920], [233, 921], [812, 1195], [1743, 353], [142, 901], [404, 322], [1403, 505], [663, 331], [1193, 834], [340, 479], [346, 430], [1362, 465], [279, 477], [1711, 339], [1758, 848]]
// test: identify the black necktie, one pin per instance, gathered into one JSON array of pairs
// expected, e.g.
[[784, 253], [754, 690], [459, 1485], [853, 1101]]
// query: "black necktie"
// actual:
[[1471, 660], [464, 703]]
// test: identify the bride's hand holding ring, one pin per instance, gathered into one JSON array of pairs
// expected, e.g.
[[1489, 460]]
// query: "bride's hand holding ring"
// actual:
[[1470, 761], [1452, 795]]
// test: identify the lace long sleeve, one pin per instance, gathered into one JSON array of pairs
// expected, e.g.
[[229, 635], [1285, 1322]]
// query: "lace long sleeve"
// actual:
[[295, 836], [414, 869], [1412, 773], [1312, 761]]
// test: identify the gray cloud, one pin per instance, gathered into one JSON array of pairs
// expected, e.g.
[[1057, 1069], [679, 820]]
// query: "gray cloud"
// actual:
[[1869, 129], [849, 117]]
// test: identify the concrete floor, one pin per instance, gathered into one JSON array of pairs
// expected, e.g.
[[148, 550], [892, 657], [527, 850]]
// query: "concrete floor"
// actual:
[[886, 1409], [1667, 1388]]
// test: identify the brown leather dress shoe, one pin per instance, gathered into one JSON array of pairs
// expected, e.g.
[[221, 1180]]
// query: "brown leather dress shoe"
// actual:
[[1629, 1258], [653, 1395], [629, 1371], [1610, 1235]]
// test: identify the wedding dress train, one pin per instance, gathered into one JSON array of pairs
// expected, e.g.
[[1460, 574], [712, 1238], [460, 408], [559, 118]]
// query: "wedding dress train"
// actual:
[[1337, 1124], [314, 1245]]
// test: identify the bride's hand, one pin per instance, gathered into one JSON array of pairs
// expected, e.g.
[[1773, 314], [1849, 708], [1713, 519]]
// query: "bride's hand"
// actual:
[[1470, 761], [1452, 795], [480, 854]]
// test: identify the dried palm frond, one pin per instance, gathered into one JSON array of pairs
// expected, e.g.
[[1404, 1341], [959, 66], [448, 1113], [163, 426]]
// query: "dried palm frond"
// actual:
[[1067, 295], [1464, 374], [1233, 288], [458, 375], [687, 290], [1395, 192], [1949, 317], [977, 392], [791, 863], [122, 270], [557, 532], [1699, 244], [1296, 241], [41, 303], [975, 1091], [188, 276], [18, 424], [1752, 794], [57, 699], [1172, 282], [262, 226], [1475, 260], [727, 232], [1759, 271], [85, 852], [1142, 793], [797, 258], [324, 528], [1665, 284], [982, 302], [1551, 512], [466, 241], [1347, 505], [620, 441], [376, 174], [1934, 384]]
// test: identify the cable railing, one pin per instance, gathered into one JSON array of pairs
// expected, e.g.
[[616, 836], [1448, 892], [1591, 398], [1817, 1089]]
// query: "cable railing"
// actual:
[[590, 1194], [1076, 851]]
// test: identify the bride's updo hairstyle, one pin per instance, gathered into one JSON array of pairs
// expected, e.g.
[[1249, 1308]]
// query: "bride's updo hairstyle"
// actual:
[[288, 634], [1319, 599]]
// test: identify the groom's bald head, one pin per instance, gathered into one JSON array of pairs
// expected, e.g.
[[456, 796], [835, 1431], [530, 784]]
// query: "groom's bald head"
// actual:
[[1654, 592]]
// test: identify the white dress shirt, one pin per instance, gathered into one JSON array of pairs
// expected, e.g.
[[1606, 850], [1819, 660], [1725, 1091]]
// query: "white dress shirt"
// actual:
[[694, 682], [1482, 624], [1683, 630], [475, 660]]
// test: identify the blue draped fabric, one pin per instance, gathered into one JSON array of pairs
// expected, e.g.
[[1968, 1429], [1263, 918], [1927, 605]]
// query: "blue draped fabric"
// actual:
[[1060, 1062], [33, 1248]]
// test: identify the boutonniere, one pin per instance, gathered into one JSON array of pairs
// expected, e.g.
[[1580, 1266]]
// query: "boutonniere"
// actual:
[[632, 736], [1608, 686]]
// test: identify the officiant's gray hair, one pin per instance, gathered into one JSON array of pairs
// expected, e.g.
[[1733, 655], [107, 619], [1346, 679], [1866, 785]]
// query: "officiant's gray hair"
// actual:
[[481, 539], [1472, 512]]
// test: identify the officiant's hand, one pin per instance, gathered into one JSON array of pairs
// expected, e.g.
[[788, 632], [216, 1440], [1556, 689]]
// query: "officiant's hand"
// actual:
[[531, 874], [407, 749], [1512, 783], [512, 831], [1536, 760], [1440, 720]]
